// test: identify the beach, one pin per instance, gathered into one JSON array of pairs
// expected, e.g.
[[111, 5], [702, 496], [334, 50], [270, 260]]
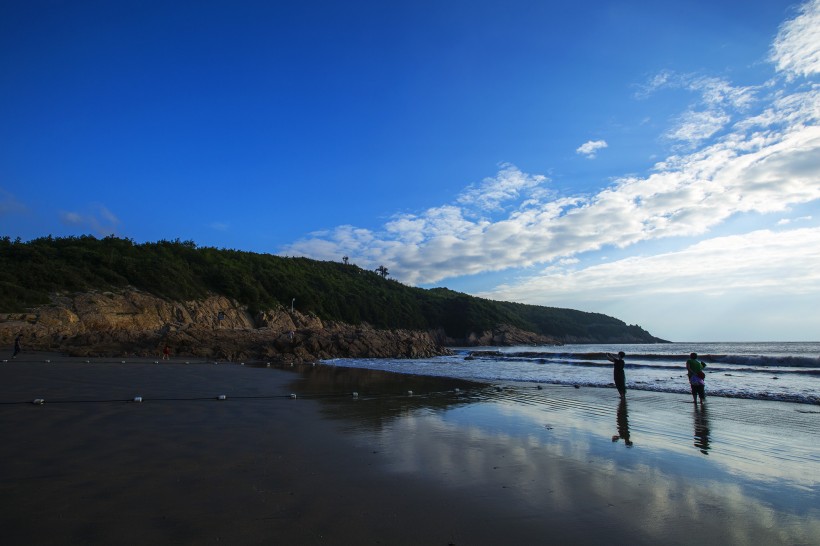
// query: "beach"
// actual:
[[253, 454]]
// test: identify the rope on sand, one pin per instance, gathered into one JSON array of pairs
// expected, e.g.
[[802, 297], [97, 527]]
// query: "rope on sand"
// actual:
[[222, 397]]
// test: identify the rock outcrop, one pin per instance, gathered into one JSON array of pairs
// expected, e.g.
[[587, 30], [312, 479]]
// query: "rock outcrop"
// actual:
[[503, 335], [140, 324]]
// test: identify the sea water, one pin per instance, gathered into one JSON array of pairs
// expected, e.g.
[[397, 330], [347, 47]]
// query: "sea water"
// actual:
[[769, 371]]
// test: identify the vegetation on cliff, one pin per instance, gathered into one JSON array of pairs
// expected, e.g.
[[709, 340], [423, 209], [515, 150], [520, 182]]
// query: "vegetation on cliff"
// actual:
[[31, 272]]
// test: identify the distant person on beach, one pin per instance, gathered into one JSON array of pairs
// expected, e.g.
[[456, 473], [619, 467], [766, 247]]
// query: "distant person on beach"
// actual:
[[17, 348], [166, 353], [618, 372], [694, 370]]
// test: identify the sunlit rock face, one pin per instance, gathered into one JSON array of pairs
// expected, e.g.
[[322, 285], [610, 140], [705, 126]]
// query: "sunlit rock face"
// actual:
[[136, 323]]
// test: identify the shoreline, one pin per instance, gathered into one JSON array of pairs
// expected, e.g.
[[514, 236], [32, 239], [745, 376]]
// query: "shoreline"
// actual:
[[438, 466]]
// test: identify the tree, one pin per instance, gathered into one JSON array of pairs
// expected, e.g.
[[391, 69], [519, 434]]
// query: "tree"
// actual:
[[381, 270]]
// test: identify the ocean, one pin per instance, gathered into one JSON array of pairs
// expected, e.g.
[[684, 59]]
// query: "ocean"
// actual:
[[786, 371]]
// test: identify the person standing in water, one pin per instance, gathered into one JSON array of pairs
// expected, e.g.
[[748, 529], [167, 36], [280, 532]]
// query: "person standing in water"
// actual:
[[618, 373], [694, 369], [17, 348]]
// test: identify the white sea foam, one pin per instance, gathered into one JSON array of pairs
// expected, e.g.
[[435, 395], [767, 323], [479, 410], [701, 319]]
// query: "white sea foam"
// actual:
[[766, 371]]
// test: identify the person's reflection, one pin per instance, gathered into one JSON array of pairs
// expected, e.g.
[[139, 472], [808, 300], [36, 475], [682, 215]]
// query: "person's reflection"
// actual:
[[623, 424], [701, 429]]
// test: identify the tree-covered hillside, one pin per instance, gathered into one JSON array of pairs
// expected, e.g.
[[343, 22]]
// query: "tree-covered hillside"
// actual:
[[32, 271]]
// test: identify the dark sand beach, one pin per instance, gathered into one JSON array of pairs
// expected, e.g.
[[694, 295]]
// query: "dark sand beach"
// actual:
[[477, 465]]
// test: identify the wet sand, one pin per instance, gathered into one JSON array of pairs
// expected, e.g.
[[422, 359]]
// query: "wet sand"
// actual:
[[474, 466]]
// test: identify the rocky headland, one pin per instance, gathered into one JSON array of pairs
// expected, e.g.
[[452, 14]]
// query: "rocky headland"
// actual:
[[136, 323]]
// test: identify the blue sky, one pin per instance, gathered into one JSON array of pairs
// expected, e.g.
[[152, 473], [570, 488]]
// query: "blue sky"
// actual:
[[658, 163]]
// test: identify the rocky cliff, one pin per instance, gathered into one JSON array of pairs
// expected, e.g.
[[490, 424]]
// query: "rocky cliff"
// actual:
[[140, 324]]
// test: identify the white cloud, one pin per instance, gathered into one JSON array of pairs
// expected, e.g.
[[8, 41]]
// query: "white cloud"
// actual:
[[796, 50], [591, 147], [762, 285], [715, 101], [507, 185], [694, 127], [98, 219], [761, 261]]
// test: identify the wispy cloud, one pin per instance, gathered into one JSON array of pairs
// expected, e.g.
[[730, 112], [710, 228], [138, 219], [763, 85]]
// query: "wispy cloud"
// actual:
[[694, 127], [9, 204], [739, 161], [787, 221], [97, 219], [509, 184], [590, 148], [796, 50], [715, 101]]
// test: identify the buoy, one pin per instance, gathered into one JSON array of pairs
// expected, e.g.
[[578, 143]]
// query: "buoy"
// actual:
[[155, 362], [409, 393], [242, 364], [539, 387], [498, 389], [38, 401], [5, 360], [221, 397], [457, 390], [355, 394], [48, 361], [293, 395], [123, 362], [187, 362], [138, 399], [267, 365], [87, 361]]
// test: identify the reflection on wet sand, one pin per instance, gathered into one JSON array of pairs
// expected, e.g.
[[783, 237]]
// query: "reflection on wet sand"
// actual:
[[622, 421], [382, 397], [701, 420]]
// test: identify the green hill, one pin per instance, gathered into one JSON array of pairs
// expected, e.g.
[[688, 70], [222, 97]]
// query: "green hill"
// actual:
[[30, 272]]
